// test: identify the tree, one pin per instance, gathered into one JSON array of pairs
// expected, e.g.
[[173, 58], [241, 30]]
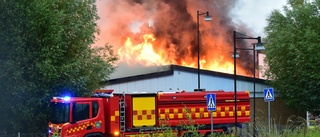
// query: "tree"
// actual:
[[292, 53], [45, 51]]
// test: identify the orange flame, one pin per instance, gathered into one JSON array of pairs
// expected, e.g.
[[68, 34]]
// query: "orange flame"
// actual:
[[142, 53]]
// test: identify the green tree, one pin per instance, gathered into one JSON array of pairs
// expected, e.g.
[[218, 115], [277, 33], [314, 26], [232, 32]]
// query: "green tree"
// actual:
[[45, 51], [293, 45]]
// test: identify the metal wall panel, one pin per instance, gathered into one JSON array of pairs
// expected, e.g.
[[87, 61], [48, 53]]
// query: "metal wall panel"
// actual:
[[183, 80]]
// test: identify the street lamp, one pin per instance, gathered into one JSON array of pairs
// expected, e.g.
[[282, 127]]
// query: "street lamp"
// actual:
[[206, 18], [256, 47]]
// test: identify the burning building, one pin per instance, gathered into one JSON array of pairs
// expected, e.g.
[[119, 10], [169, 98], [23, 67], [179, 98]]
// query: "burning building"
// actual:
[[163, 32]]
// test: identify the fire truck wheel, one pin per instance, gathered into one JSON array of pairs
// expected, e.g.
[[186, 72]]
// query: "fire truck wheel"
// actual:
[[94, 135]]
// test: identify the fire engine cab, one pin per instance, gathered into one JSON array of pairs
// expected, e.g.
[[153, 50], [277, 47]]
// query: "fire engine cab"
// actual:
[[128, 115]]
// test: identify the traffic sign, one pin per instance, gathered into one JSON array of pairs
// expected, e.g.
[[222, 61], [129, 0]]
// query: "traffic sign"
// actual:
[[268, 94], [211, 102]]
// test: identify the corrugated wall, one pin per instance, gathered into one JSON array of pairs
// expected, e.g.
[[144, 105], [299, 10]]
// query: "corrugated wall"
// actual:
[[182, 80]]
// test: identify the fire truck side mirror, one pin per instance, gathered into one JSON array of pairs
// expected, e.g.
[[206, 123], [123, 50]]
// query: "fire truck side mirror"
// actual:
[[73, 111]]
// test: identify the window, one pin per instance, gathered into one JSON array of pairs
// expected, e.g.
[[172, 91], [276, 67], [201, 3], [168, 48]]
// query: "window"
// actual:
[[60, 113], [95, 108], [82, 112]]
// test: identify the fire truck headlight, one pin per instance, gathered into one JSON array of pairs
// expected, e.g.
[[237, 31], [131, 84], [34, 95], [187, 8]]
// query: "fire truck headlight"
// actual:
[[66, 98], [116, 133]]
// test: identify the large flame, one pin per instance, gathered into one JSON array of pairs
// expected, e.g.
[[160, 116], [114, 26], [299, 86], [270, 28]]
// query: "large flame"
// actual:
[[162, 32], [144, 53]]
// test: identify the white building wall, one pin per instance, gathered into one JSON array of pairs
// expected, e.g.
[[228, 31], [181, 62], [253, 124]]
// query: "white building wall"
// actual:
[[182, 80]]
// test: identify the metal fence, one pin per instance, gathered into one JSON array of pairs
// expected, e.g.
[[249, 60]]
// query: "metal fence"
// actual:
[[25, 135]]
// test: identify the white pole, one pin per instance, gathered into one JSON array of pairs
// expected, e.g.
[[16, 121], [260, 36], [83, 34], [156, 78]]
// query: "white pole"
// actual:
[[18, 134], [211, 122], [269, 116], [308, 122]]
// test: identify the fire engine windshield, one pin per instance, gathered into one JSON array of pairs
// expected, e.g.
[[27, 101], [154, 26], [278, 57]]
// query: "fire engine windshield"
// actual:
[[60, 113]]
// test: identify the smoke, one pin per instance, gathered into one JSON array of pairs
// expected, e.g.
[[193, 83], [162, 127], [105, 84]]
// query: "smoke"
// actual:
[[174, 25]]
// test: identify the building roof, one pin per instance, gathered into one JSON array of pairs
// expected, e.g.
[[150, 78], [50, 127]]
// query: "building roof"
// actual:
[[160, 71]]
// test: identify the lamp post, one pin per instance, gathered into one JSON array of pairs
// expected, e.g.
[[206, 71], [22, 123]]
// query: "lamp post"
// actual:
[[257, 46], [206, 18]]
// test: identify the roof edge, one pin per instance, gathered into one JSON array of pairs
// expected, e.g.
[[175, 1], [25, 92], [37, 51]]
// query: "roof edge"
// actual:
[[170, 71]]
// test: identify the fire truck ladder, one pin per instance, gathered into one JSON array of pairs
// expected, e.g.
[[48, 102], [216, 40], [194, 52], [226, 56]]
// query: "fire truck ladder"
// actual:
[[122, 114]]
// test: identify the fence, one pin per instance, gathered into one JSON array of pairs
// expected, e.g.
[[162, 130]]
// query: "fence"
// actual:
[[313, 121]]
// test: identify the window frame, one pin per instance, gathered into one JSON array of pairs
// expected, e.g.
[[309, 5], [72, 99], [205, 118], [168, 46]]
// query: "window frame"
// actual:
[[97, 109], [89, 110]]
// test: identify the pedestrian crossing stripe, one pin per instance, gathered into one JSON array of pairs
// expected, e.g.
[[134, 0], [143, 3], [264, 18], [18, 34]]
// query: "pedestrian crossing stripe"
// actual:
[[211, 103]]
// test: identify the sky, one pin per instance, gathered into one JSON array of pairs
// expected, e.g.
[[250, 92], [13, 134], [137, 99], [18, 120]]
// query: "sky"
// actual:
[[255, 12]]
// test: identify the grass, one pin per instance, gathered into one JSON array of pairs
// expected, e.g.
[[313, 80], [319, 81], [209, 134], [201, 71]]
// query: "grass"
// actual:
[[289, 130], [294, 127]]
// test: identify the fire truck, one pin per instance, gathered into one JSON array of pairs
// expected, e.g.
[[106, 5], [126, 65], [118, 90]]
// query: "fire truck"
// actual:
[[108, 114]]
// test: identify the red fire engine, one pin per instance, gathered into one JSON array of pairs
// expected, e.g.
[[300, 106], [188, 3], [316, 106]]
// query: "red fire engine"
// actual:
[[128, 115]]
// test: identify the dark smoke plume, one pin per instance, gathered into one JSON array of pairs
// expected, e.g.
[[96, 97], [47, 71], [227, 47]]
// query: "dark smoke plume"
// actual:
[[174, 25]]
